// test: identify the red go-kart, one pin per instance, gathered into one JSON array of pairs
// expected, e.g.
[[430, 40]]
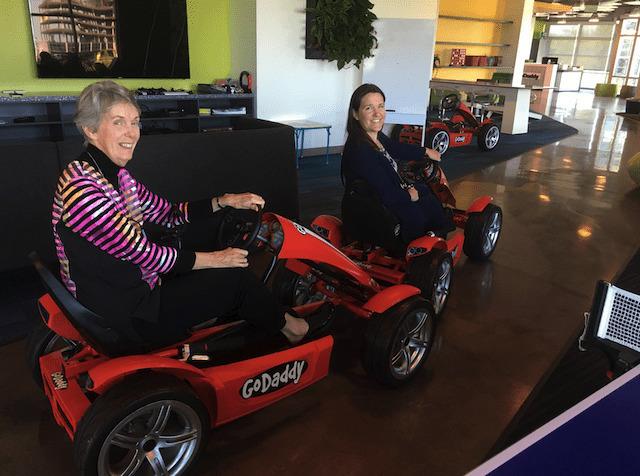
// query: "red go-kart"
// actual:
[[372, 237], [131, 409], [456, 131]]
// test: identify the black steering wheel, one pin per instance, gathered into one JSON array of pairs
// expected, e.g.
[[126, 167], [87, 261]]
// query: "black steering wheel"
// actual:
[[239, 228], [450, 102]]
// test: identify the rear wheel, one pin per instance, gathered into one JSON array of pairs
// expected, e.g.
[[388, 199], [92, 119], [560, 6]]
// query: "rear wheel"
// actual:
[[42, 341], [488, 137], [398, 342], [290, 288], [482, 231], [438, 139], [148, 425], [432, 273]]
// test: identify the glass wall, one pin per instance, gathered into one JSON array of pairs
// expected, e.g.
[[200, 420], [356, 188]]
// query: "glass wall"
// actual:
[[584, 45], [626, 67]]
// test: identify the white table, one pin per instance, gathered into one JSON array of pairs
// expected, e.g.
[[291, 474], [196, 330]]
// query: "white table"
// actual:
[[515, 113], [299, 126]]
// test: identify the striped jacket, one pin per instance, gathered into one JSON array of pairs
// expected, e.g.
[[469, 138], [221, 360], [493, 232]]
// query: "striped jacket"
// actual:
[[111, 218]]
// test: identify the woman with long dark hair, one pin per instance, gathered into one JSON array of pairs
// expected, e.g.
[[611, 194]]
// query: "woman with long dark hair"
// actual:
[[371, 156]]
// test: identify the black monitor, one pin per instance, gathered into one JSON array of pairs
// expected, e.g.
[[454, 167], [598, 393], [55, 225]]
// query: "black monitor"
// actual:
[[549, 60], [110, 38]]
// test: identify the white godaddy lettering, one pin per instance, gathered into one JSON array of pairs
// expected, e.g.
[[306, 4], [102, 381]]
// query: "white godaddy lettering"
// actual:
[[273, 379]]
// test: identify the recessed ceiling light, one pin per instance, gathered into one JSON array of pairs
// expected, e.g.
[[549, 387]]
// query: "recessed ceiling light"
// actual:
[[634, 2]]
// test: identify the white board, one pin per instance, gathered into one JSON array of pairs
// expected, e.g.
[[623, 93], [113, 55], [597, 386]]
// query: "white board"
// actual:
[[401, 67]]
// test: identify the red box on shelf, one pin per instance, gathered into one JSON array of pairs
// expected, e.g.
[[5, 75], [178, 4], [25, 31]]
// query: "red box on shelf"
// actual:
[[458, 56]]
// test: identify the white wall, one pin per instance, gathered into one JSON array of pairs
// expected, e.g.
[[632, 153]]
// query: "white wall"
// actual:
[[292, 87]]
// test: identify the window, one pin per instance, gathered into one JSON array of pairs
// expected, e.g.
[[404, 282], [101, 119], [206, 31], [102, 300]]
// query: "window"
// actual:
[[626, 67], [587, 46]]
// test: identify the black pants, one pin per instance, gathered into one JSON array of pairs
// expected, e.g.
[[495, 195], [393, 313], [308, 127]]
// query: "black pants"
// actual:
[[198, 296]]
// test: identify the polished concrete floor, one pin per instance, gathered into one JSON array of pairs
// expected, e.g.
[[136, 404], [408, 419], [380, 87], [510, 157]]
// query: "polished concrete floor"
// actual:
[[570, 218]]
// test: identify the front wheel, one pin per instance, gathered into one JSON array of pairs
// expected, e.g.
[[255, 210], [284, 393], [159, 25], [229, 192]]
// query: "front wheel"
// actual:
[[146, 425], [432, 273], [481, 232], [438, 139], [398, 342], [488, 137]]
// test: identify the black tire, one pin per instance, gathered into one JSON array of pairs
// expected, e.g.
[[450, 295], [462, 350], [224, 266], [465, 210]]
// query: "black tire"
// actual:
[[136, 413], [481, 232], [290, 288], [42, 341], [488, 137], [388, 346], [432, 273], [438, 139]]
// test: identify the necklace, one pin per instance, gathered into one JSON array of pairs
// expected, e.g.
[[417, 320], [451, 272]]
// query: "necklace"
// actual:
[[95, 163]]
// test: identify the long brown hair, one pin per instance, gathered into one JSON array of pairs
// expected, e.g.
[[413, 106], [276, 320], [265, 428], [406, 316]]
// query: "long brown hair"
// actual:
[[354, 129]]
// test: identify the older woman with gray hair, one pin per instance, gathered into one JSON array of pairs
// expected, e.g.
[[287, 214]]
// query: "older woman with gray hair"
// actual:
[[109, 263]]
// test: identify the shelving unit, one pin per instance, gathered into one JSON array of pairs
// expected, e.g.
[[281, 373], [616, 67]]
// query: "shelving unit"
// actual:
[[53, 115], [488, 20]]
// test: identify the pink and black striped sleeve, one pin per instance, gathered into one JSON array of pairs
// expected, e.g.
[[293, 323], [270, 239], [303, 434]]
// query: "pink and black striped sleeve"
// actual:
[[90, 213], [161, 211]]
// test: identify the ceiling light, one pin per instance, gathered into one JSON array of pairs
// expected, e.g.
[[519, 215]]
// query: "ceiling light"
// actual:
[[634, 2]]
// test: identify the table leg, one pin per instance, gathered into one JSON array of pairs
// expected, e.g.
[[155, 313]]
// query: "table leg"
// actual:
[[302, 143], [326, 155]]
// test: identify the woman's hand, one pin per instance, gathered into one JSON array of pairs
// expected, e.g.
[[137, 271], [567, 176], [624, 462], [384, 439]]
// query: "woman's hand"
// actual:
[[239, 200], [432, 154], [227, 258], [413, 193]]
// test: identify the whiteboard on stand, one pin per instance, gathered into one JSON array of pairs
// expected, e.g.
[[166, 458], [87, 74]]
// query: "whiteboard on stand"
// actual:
[[401, 67]]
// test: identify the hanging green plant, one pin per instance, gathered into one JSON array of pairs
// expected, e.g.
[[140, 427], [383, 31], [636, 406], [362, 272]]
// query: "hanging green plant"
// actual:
[[342, 30]]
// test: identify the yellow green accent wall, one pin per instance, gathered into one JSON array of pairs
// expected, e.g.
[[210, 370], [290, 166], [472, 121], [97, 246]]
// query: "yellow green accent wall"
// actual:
[[469, 31], [209, 50]]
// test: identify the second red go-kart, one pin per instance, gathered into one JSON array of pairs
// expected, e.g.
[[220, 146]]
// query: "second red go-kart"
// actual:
[[372, 237], [456, 126], [131, 409]]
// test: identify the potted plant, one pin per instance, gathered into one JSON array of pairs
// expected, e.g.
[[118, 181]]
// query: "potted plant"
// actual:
[[340, 30]]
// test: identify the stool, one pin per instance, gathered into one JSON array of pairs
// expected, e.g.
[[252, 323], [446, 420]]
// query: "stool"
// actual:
[[627, 92], [606, 90]]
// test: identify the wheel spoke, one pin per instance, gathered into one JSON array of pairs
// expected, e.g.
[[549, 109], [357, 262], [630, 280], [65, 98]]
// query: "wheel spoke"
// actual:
[[401, 358], [161, 417], [422, 317], [134, 464], [157, 462], [177, 440], [124, 441], [418, 343]]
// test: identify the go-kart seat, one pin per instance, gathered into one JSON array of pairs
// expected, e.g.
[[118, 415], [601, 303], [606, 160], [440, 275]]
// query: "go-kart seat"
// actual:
[[367, 220], [98, 333]]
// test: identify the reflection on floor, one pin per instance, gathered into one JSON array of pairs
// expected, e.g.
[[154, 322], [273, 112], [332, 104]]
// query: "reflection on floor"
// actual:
[[570, 218]]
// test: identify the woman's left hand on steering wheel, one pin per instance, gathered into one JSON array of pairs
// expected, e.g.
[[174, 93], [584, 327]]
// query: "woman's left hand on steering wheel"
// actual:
[[247, 200], [432, 154]]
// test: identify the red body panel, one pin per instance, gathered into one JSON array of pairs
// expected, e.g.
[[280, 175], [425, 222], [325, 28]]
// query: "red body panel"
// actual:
[[302, 243], [329, 227], [389, 297], [479, 204]]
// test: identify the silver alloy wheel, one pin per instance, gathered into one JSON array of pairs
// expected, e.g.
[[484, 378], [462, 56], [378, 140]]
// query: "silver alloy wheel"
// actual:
[[493, 232], [160, 438], [441, 287], [410, 344], [440, 141], [492, 137]]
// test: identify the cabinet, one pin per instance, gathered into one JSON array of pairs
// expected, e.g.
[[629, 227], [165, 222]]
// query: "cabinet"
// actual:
[[50, 118]]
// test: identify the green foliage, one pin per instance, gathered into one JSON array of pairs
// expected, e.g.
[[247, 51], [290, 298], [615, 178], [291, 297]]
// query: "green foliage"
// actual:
[[343, 29]]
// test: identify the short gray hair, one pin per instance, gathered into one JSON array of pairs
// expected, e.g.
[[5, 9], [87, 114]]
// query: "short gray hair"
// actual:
[[98, 98]]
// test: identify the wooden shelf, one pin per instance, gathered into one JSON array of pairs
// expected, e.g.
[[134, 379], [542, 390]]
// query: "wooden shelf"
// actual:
[[488, 20], [465, 43], [474, 67]]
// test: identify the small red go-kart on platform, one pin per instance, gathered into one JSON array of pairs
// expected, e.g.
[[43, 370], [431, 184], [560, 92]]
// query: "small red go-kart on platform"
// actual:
[[372, 237], [132, 409], [456, 126]]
